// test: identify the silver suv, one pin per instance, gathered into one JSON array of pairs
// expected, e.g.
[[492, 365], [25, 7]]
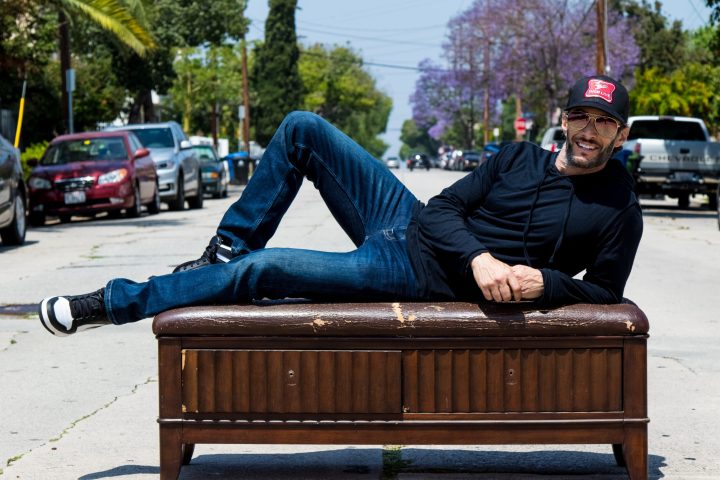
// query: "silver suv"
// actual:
[[179, 177]]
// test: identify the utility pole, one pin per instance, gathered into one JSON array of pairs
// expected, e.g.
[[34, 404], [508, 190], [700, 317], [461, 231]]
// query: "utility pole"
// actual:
[[246, 104], [486, 99], [601, 34], [64, 34]]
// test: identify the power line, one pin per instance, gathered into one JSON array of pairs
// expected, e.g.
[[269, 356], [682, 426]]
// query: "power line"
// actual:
[[703, 20], [373, 39], [360, 37], [393, 29], [375, 64]]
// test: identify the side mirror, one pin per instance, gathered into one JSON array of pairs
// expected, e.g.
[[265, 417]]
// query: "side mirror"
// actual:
[[185, 144], [142, 152], [32, 162]]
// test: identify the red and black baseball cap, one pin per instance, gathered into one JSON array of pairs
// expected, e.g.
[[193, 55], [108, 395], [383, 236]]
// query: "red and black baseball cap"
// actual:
[[603, 93]]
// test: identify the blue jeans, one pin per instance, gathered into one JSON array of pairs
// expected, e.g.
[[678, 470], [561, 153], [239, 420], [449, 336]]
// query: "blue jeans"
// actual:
[[367, 200]]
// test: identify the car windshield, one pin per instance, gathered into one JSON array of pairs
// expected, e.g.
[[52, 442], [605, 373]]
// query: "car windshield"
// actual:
[[205, 155], [155, 137], [85, 150]]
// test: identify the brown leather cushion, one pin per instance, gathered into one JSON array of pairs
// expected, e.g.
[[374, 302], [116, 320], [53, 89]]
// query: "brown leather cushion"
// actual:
[[439, 319]]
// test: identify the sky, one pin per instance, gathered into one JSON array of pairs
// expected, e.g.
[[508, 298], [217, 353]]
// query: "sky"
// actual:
[[393, 36]]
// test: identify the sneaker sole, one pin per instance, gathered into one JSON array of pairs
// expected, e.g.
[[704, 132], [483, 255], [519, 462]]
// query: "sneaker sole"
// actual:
[[46, 321]]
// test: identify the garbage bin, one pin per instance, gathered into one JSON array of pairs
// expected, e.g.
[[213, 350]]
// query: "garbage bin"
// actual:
[[241, 171], [238, 164]]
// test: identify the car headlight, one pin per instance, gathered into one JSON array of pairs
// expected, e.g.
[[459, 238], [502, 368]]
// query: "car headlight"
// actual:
[[38, 183], [210, 175], [113, 177]]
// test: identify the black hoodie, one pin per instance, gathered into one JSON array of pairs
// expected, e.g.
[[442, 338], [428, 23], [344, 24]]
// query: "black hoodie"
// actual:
[[518, 207]]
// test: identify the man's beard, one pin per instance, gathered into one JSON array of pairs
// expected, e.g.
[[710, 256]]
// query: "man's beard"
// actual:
[[603, 156]]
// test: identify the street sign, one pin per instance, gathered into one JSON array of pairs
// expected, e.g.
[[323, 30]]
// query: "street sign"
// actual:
[[520, 125]]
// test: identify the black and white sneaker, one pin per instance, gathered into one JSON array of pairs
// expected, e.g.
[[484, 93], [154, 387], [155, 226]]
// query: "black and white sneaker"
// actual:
[[66, 315], [215, 252]]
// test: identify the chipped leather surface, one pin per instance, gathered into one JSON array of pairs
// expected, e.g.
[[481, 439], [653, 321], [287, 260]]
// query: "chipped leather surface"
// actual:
[[401, 319]]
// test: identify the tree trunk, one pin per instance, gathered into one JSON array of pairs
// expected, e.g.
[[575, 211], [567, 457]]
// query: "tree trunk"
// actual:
[[142, 109]]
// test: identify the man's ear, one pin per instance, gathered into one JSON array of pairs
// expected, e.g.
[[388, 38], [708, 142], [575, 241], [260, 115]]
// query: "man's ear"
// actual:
[[563, 123], [622, 137]]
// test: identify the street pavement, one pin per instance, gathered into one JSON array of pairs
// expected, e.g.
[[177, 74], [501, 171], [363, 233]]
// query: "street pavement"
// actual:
[[84, 407]]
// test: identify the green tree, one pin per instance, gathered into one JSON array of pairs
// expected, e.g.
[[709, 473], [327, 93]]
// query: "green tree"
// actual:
[[276, 84], [99, 98], [176, 24], [28, 39], [27, 42], [416, 140], [336, 86], [124, 19], [662, 46], [689, 91], [207, 77]]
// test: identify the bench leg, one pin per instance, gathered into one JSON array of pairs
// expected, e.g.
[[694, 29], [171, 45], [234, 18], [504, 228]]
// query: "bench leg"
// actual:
[[618, 453], [635, 453], [171, 452], [187, 449]]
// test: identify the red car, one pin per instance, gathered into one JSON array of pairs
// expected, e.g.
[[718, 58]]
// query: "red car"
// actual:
[[91, 172]]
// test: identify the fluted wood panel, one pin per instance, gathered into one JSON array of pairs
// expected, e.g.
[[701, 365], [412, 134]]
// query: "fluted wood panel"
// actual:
[[291, 381], [512, 380]]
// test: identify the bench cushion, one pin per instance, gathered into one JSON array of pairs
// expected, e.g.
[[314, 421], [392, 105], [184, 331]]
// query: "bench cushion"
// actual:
[[439, 319]]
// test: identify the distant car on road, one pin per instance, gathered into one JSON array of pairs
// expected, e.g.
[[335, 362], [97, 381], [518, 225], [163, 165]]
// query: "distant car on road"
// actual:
[[177, 165], [392, 162], [418, 160], [93, 172], [215, 172], [470, 159], [13, 196]]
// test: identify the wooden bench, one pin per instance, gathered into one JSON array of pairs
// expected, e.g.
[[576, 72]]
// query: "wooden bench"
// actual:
[[403, 374]]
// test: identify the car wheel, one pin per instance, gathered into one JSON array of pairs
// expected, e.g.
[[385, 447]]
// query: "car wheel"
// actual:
[[717, 200], [36, 219], [684, 200], [154, 206], [136, 209], [179, 202], [14, 234], [196, 202], [712, 201]]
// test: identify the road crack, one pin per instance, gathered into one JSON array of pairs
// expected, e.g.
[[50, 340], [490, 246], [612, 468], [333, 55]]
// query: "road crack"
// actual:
[[73, 424]]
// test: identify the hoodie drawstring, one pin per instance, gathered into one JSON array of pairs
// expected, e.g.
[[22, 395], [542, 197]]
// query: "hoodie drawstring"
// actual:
[[566, 216]]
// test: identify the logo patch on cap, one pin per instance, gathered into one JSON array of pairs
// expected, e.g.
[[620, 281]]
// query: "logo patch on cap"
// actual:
[[600, 89]]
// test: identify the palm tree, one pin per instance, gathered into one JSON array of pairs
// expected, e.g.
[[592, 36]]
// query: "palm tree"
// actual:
[[125, 19]]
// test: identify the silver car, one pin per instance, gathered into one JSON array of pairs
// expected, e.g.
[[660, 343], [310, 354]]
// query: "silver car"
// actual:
[[178, 168], [13, 196]]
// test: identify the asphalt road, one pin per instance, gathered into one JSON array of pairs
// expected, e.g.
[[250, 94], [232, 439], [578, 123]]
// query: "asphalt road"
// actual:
[[85, 406]]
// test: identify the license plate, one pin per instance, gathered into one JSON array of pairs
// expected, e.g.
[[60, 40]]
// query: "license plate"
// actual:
[[684, 176], [72, 198]]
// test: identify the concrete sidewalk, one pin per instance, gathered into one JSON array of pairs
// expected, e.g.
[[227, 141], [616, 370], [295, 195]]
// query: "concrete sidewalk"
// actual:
[[85, 406]]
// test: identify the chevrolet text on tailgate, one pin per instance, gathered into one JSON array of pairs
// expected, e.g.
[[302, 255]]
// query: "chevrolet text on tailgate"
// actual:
[[674, 156]]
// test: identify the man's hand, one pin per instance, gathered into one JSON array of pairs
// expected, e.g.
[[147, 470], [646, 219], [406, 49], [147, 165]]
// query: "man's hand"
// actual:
[[496, 279], [502, 283], [531, 281]]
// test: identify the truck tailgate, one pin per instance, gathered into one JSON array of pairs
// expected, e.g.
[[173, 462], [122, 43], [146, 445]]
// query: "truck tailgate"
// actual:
[[680, 155]]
